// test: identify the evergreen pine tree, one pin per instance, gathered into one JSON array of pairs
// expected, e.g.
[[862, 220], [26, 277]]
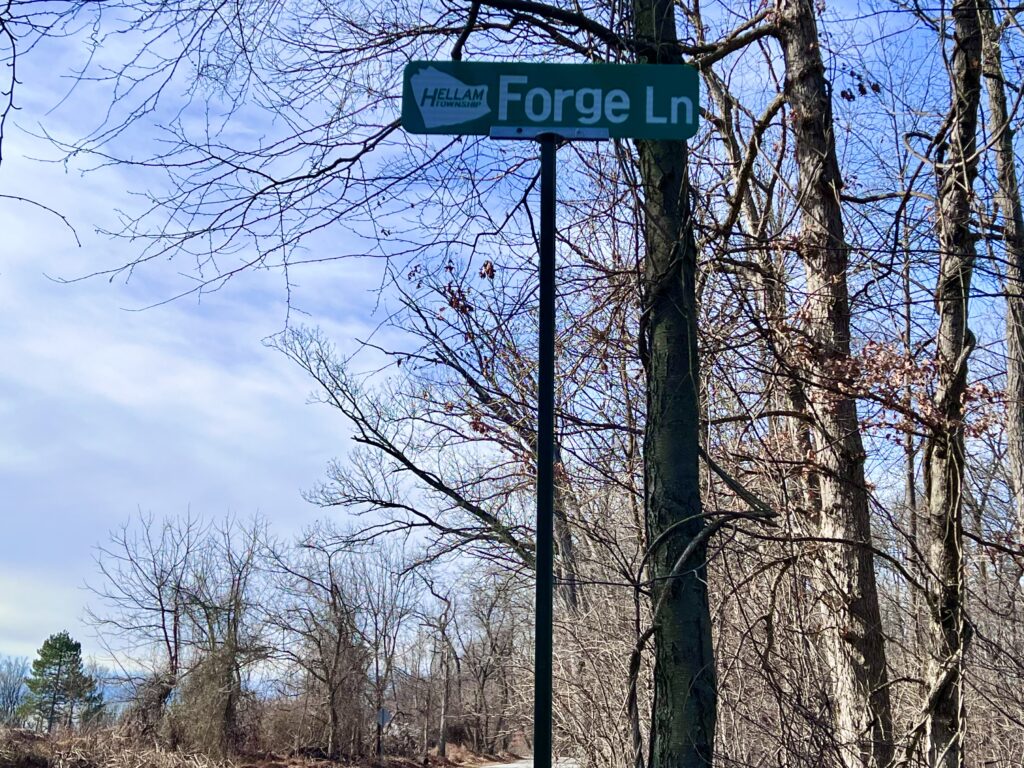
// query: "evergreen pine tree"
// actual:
[[58, 684]]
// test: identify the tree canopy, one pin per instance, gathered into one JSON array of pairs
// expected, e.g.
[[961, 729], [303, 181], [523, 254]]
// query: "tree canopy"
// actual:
[[60, 691]]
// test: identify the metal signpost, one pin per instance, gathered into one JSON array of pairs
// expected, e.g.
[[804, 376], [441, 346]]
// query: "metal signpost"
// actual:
[[549, 103]]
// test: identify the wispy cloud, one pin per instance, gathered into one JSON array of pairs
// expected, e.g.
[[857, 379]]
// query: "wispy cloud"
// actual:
[[105, 410]]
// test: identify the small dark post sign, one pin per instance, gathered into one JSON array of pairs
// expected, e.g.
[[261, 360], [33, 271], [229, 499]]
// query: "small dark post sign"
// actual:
[[549, 103]]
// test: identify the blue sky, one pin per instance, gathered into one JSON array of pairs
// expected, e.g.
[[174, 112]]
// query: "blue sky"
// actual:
[[106, 410]]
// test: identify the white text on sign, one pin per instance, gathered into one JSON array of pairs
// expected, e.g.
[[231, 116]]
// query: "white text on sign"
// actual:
[[591, 104]]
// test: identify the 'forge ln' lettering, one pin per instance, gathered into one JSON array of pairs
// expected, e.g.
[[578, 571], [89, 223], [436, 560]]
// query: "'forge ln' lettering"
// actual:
[[585, 105], [674, 104]]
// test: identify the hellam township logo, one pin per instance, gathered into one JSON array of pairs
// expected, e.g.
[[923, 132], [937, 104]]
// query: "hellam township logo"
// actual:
[[444, 100]]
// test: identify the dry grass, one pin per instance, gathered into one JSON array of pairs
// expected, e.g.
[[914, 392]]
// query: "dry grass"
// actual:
[[23, 749], [113, 748], [107, 748]]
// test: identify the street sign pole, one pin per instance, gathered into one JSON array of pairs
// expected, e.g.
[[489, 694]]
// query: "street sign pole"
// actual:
[[545, 459], [549, 103]]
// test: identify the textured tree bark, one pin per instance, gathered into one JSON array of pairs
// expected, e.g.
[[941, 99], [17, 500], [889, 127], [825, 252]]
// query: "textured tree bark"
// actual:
[[683, 718], [944, 446], [442, 734], [838, 506], [1009, 204], [685, 695]]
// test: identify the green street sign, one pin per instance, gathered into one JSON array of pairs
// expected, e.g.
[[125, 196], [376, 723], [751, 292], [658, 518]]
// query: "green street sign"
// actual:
[[586, 101]]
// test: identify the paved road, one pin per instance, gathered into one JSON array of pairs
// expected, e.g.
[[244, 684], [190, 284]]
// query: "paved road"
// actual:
[[528, 763]]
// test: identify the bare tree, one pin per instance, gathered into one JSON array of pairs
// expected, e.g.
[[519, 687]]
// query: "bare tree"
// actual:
[[176, 600], [448, 657], [146, 585], [224, 592], [386, 595], [315, 612], [1007, 203], [13, 671], [837, 500], [957, 168]]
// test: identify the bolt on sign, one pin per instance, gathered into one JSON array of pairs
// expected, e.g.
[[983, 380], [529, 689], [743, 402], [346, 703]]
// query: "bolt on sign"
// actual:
[[511, 100]]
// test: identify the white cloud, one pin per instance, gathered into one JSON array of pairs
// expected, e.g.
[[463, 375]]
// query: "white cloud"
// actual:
[[105, 411], [35, 604]]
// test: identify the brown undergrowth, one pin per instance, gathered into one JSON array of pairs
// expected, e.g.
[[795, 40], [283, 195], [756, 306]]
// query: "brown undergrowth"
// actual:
[[111, 748]]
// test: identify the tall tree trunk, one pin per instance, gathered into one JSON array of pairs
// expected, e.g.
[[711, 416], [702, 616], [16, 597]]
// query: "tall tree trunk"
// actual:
[[683, 723], [442, 736], [52, 716], [944, 446], [334, 725], [844, 573], [685, 694], [1009, 203], [910, 451]]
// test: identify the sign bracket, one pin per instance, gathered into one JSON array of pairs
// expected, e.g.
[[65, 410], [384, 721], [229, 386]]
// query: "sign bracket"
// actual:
[[534, 132]]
